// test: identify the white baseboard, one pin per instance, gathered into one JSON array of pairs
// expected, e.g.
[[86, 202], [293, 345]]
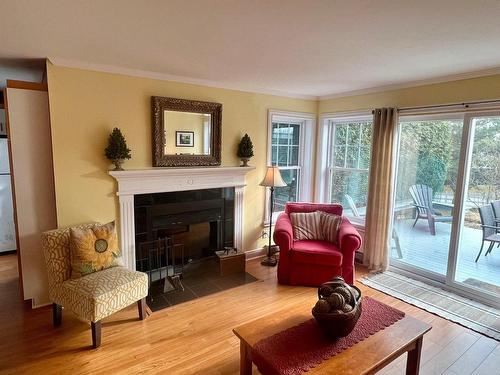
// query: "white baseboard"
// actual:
[[255, 253]]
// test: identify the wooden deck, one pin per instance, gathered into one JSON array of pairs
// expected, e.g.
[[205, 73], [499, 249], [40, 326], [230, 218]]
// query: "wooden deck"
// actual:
[[421, 249]]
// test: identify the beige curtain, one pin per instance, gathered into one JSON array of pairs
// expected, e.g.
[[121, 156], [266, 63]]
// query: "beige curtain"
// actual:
[[378, 211]]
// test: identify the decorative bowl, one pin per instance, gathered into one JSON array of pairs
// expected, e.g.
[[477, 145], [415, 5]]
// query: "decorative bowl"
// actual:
[[337, 323]]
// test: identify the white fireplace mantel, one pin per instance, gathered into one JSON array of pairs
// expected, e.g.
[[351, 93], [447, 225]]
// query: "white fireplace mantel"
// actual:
[[162, 180]]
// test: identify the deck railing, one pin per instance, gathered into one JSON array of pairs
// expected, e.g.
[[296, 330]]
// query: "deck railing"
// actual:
[[473, 198]]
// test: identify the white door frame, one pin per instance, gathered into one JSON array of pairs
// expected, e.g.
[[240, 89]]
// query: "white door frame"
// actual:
[[448, 281], [460, 196]]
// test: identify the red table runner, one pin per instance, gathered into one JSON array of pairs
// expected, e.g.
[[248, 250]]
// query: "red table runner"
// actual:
[[300, 348]]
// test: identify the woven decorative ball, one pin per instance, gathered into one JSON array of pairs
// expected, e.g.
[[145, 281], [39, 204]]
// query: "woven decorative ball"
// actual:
[[322, 306], [355, 292], [336, 301], [325, 291], [344, 292], [347, 308], [335, 282]]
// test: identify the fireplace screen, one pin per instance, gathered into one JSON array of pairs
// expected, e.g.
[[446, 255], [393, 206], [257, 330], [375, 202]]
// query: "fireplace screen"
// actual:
[[176, 229]]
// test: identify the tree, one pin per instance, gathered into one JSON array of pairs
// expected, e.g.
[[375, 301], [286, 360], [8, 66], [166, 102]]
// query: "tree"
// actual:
[[245, 147], [117, 149], [484, 177], [431, 171], [427, 155]]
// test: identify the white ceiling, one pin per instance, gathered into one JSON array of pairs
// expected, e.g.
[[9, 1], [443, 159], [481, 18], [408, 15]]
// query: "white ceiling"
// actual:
[[306, 47]]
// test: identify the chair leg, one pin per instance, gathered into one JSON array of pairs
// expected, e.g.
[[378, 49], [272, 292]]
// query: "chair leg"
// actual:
[[56, 314], [415, 222], [96, 334], [141, 305], [398, 245], [490, 248], [432, 224], [480, 251]]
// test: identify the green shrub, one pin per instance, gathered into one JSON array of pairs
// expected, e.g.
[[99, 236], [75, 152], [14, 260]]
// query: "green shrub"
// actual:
[[117, 146], [245, 147]]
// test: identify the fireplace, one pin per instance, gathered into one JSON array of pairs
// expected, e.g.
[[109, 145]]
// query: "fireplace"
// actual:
[[150, 181], [198, 221]]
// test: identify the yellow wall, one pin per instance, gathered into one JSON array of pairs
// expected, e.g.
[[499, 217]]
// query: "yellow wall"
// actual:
[[86, 105], [441, 93]]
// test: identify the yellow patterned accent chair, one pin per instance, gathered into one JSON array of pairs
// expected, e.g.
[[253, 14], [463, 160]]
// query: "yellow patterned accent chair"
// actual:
[[94, 296]]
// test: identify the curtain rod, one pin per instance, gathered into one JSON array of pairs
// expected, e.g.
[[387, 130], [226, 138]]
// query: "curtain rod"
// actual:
[[464, 104]]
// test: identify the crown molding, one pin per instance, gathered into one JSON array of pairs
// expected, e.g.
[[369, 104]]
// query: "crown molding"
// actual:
[[410, 84], [67, 63]]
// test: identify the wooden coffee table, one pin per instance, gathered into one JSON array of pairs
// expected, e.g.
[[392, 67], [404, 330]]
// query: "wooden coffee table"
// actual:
[[366, 357]]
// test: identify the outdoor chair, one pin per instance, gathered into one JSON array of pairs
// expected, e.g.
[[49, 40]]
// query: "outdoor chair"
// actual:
[[422, 200], [490, 229], [496, 211], [355, 213]]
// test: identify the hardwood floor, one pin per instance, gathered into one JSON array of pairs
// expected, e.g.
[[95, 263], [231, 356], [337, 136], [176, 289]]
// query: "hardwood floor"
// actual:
[[196, 337]]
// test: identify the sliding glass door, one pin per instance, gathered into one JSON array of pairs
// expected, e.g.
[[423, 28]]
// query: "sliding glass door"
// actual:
[[427, 167], [447, 185], [476, 265]]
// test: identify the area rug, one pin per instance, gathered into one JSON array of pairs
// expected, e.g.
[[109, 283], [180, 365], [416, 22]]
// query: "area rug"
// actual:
[[300, 348], [470, 314]]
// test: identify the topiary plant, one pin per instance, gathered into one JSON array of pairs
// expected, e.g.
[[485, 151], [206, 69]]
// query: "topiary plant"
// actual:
[[245, 150], [117, 150]]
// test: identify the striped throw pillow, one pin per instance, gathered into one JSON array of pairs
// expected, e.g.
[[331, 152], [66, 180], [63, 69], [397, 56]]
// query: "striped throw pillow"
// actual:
[[330, 225], [306, 225]]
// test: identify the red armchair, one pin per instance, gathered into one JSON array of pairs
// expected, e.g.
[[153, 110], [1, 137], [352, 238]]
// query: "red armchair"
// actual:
[[311, 263]]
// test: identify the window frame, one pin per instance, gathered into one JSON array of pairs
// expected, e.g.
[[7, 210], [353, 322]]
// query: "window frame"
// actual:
[[305, 165], [326, 141]]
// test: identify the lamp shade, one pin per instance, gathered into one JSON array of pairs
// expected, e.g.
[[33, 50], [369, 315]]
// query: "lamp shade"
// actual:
[[273, 178]]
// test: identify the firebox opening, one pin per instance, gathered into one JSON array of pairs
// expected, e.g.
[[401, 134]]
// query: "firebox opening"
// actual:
[[185, 226]]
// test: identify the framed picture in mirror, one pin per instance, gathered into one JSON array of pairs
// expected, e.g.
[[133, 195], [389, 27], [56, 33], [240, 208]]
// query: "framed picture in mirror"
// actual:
[[184, 138]]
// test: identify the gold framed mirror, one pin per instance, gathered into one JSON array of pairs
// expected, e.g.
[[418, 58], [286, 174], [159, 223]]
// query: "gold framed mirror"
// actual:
[[185, 133]]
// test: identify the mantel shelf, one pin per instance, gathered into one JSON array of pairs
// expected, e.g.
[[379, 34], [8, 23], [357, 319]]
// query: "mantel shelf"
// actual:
[[162, 180], [155, 171]]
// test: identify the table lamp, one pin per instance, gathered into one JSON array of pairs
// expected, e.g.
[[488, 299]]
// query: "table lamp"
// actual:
[[272, 179]]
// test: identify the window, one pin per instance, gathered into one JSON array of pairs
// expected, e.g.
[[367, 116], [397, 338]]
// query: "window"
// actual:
[[293, 155], [345, 154], [285, 147]]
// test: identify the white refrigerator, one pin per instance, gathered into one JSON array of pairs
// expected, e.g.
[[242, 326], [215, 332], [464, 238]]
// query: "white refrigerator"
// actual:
[[7, 228]]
